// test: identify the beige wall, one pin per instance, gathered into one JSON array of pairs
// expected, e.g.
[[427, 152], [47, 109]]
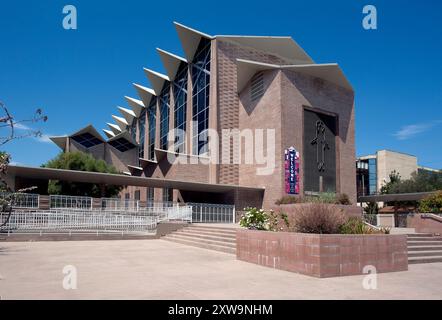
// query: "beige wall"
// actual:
[[387, 161]]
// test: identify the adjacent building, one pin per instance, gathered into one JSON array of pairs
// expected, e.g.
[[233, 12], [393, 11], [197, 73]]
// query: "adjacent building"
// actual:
[[252, 112], [373, 171]]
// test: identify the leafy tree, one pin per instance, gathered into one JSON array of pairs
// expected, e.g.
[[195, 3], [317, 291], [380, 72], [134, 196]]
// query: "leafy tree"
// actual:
[[371, 208], [81, 161], [394, 179], [8, 133], [432, 203], [421, 181]]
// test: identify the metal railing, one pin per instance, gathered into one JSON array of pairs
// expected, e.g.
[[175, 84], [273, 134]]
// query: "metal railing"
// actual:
[[212, 213], [22, 200], [73, 219], [61, 221], [70, 202]]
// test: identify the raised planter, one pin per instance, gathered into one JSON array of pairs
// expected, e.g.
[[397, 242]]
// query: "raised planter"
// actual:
[[322, 255], [292, 209]]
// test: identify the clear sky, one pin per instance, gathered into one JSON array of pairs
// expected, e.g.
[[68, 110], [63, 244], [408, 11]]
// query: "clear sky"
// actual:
[[80, 76]]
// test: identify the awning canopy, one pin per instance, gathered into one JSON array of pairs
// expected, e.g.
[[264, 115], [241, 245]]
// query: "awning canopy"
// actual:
[[120, 179]]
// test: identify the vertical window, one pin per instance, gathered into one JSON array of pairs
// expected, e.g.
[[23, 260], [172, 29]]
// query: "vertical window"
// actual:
[[180, 97], [200, 97], [150, 195], [164, 115], [372, 176], [133, 129], [152, 119], [137, 195], [167, 195], [141, 135]]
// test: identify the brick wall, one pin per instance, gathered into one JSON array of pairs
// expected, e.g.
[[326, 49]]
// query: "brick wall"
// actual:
[[322, 255], [228, 100], [300, 91]]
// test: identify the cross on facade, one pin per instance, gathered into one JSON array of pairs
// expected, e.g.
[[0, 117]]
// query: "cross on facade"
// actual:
[[321, 145]]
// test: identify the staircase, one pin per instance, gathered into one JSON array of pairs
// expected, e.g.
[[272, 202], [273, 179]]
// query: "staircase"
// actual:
[[424, 248], [206, 236]]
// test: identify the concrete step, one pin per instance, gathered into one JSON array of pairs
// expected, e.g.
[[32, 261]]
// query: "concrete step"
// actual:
[[415, 260], [208, 237], [420, 234], [209, 233], [228, 231], [424, 243], [424, 248], [199, 244], [206, 241], [425, 253], [423, 239]]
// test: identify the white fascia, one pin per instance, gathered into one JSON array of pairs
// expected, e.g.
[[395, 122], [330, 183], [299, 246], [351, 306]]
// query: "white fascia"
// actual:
[[136, 105], [171, 62], [190, 39], [144, 93], [156, 79]]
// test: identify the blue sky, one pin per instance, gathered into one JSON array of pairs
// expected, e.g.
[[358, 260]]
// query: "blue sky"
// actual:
[[80, 76]]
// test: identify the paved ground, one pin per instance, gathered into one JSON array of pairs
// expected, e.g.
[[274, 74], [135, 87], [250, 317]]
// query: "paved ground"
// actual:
[[157, 269]]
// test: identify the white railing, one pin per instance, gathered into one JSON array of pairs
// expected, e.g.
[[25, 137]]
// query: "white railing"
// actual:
[[21, 200], [77, 221], [177, 213], [70, 202], [117, 204], [212, 213]]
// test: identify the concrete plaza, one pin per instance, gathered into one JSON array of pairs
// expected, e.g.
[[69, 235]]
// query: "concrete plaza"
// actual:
[[158, 269]]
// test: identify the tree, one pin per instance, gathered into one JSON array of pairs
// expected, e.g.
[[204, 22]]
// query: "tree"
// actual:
[[81, 161], [394, 179], [420, 181], [8, 133]]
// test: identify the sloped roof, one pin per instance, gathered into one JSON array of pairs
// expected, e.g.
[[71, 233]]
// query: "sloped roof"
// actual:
[[156, 79], [171, 62], [128, 114], [144, 93], [137, 105], [329, 71]]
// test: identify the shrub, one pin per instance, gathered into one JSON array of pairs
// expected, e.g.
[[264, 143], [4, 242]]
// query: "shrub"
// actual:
[[254, 219], [356, 226], [343, 198], [287, 200], [371, 208], [276, 220], [432, 203], [319, 218]]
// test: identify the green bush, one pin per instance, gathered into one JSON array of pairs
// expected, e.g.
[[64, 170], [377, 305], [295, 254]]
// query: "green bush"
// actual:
[[371, 208], [343, 198], [255, 219], [355, 226], [275, 221], [432, 203], [287, 200]]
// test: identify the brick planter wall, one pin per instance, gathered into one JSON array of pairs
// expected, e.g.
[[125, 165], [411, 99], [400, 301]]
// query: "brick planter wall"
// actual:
[[425, 223], [322, 255]]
